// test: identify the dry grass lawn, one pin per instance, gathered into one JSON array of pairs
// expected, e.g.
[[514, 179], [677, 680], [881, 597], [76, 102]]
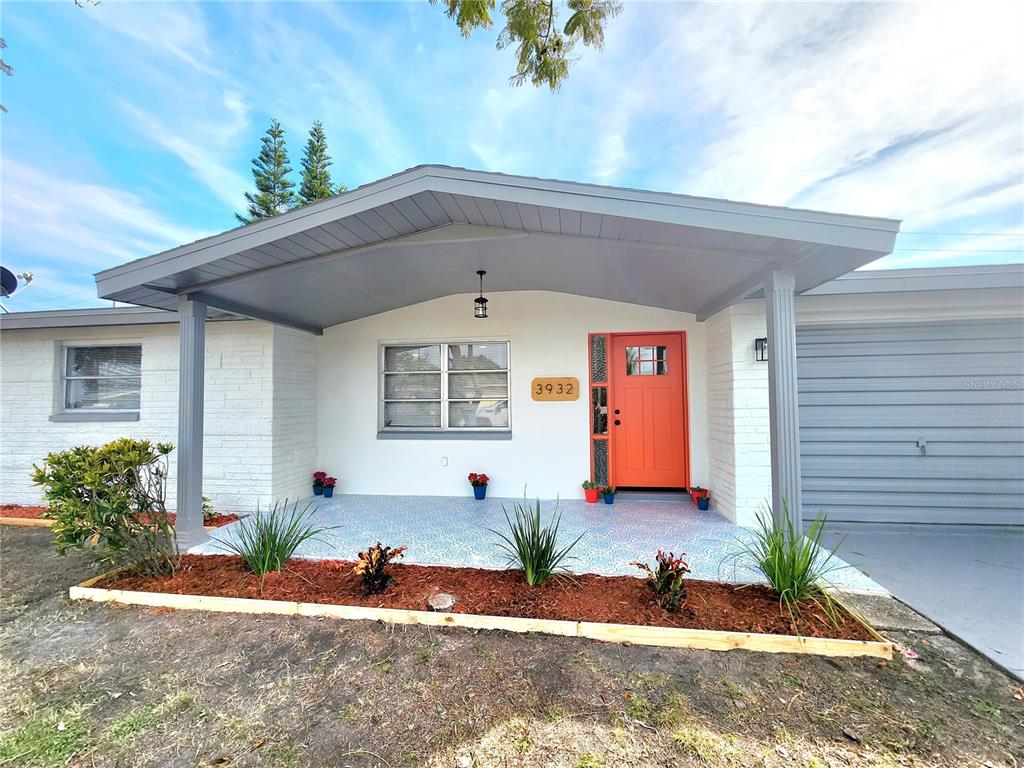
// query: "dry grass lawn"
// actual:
[[100, 685]]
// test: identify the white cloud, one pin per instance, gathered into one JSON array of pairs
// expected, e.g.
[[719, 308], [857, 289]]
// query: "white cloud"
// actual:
[[488, 129], [610, 157], [903, 110], [176, 29], [203, 146], [312, 80], [48, 219]]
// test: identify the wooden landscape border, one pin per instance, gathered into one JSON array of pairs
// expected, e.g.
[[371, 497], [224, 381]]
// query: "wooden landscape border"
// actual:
[[45, 522], [36, 522], [667, 637]]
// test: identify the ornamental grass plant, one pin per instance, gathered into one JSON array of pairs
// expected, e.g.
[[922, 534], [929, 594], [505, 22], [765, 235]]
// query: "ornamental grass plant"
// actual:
[[267, 540], [796, 565], [532, 546]]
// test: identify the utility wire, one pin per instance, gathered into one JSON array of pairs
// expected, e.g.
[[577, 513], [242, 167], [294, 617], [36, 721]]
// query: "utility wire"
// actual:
[[980, 234], [963, 250]]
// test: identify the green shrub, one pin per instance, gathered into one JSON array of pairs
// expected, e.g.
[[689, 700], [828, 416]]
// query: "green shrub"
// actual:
[[666, 583], [267, 540], [111, 501], [796, 565], [210, 514], [533, 546]]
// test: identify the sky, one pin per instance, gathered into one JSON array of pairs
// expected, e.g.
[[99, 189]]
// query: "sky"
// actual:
[[131, 126]]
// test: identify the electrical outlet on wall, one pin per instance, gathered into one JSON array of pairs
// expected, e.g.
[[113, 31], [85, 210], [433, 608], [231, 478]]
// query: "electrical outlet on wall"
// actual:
[[444, 461]]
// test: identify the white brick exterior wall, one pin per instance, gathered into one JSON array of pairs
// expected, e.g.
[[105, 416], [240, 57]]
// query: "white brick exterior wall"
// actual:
[[294, 413], [257, 443], [738, 442]]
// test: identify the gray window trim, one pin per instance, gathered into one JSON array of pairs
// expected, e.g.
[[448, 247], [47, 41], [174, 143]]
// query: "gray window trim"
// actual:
[[85, 414], [451, 434]]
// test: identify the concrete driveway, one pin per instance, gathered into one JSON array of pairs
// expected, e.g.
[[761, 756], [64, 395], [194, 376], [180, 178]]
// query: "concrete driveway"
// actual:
[[968, 579]]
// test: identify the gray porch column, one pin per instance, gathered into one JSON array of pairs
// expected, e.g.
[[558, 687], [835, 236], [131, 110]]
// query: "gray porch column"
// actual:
[[192, 327], [784, 422]]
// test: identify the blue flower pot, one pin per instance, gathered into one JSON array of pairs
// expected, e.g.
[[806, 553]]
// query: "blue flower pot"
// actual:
[[318, 490], [609, 498], [328, 492], [479, 491], [704, 503]]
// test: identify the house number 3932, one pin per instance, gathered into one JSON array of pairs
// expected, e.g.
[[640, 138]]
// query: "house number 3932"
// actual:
[[555, 388]]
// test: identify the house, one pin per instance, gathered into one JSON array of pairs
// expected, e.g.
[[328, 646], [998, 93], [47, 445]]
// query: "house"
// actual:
[[648, 340]]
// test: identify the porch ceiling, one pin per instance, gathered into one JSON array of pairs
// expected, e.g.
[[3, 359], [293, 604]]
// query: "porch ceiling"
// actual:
[[423, 233]]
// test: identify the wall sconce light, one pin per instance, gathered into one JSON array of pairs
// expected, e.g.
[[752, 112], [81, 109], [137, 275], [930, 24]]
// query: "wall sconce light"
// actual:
[[761, 349], [480, 303]]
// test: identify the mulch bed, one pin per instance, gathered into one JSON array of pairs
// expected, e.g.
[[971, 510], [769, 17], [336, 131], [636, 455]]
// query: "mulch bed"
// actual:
[[606, 599], [36, 513], [21, 510]]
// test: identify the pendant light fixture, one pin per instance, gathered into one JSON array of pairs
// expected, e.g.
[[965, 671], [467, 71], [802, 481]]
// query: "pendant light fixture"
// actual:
[[480, 303]]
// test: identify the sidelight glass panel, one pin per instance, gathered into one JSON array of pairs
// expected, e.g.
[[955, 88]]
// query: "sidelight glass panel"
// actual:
[[599, 410]]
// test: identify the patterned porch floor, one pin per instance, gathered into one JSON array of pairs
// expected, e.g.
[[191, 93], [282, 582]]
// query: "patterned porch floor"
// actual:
[[444, 530]]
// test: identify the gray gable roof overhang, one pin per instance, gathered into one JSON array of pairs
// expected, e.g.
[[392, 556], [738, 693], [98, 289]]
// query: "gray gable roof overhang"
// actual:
[[423, 233]]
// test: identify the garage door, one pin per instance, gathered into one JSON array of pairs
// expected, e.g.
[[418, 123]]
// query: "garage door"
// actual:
[[916, 422]]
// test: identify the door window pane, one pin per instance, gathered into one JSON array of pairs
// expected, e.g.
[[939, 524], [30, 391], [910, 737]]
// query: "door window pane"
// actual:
[[483, 413], [646, 361]]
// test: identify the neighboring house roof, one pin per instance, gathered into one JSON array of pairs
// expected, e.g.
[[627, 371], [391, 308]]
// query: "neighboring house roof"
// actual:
[[925, 279], [93, 317], [423, 233]]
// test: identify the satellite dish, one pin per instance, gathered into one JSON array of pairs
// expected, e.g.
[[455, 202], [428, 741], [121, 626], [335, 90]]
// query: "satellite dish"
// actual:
[[8, 282]]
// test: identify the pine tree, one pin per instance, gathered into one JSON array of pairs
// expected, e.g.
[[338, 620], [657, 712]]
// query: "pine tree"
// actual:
[[270, 171], [316, 174]]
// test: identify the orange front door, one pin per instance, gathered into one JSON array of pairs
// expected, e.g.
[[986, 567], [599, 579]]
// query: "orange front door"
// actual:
[[648, 420]]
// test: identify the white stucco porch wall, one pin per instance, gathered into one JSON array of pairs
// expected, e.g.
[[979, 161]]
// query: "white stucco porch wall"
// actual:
[[549, 451]]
